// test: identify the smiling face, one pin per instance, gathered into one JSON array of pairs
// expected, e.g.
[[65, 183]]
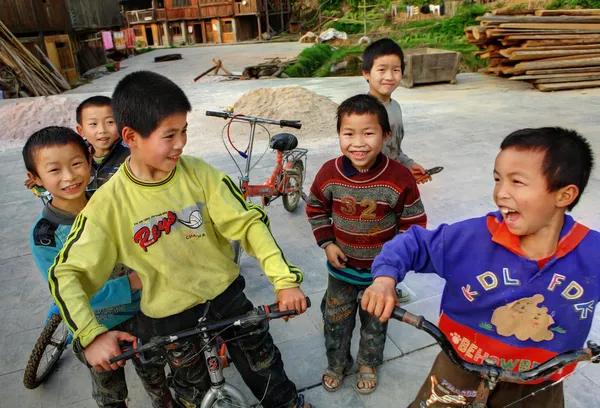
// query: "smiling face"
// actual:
[[521, 192], [154, 157], [99, 128], [64, 171], [361, 139], [384, 77]]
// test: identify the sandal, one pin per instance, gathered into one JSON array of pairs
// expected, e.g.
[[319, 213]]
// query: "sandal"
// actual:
[[336, 375], [365, 377]]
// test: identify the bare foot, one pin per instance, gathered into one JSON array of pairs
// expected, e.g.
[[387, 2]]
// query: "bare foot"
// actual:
[[366, 384]]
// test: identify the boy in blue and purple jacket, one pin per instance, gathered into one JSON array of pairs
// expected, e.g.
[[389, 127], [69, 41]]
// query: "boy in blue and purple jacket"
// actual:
[[521, 283]]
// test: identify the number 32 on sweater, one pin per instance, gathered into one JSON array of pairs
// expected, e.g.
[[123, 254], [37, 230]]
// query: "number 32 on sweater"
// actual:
[[349, 207]]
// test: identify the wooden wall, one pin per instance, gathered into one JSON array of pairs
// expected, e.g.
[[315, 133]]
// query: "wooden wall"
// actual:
[[94, 14], [20, 16]]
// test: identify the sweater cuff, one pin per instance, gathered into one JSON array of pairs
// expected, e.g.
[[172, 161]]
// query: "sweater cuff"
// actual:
[[386, 270]]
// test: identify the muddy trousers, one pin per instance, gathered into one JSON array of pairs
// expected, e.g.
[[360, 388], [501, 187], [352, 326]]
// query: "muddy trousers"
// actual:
[[109, 388], [448, 385], [339, 309], [256, 357]]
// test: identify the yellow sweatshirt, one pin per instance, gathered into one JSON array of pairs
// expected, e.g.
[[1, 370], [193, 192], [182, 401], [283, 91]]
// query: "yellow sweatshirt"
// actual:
[[175, 233]]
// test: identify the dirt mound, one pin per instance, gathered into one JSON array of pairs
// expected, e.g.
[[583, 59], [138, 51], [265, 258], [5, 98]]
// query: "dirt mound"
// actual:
[[316, 112], [20, 120]]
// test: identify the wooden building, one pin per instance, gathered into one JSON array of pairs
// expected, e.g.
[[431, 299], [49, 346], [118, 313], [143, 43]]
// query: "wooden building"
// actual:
[[179, 22], [65, 30]]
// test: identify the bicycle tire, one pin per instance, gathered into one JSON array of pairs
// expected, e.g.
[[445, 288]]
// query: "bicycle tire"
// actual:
[[32, 379], [291, 200]]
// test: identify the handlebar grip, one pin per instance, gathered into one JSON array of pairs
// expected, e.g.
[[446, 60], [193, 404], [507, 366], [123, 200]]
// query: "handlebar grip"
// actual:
[[291, 123], [274, 308], [217, 114], [129, 353]]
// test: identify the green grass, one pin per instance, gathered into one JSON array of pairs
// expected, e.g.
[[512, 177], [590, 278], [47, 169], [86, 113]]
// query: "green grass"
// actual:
[[338, 56], [310, 60], [571, 4]]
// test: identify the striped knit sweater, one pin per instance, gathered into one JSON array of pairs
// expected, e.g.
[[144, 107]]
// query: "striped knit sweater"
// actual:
[[360, 211]]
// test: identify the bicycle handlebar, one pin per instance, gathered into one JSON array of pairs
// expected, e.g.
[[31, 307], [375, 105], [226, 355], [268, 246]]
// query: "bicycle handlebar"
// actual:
[[489, 369], [258, 315], [229, 115]]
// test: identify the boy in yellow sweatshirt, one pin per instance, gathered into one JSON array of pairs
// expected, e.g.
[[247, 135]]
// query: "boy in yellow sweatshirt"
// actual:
[[171, 218]]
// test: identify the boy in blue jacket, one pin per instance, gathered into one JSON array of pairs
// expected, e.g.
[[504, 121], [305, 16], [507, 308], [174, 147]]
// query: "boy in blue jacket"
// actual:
[[58, 160], [521, 283]]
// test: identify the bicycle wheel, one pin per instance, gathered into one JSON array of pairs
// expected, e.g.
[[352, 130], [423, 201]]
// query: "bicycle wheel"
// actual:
[[46, 352], [295, 178]]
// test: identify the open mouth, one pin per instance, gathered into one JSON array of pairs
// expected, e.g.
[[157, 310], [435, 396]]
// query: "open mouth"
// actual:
[[104, 139], [509, 214], [173, 158], [359, 155], [72, 188]]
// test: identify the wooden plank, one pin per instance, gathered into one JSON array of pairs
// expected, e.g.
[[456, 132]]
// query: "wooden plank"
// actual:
[[509, 12], [534, 55], [569, 79], [545, 20], [561, 70], [554, 76], [479, 33], [558, 47], [567, 85], [549, 37], [583, 62], [584, 12], [499, 32], [578, 41], [553, 26], [572, 57]]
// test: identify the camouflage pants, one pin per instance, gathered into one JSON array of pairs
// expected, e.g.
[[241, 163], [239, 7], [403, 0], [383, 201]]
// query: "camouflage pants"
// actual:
[[109, 388], [339, 308]]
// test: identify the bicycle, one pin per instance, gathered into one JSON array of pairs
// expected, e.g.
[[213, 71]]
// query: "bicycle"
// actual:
[[491, 374], [220, 394]]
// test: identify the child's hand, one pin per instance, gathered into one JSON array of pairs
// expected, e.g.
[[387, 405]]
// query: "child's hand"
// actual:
[[380, 298], [29, 183], [134, 281], [335, 256], [103, 348], [418, 171], [291, 299]]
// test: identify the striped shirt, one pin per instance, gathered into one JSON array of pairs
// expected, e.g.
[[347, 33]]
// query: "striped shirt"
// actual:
[[360, 211]]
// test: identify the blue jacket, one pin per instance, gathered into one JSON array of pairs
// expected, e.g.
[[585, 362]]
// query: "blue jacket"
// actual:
[[113, 303], [496, 302]]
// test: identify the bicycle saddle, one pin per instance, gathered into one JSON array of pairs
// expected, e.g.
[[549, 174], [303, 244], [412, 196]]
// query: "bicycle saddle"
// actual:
[[283, 142]]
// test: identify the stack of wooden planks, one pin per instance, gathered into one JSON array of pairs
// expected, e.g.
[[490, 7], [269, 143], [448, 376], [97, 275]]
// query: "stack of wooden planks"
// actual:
[[553, 49], [23, 74]]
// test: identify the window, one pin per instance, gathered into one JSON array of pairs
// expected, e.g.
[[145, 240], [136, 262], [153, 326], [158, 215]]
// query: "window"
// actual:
[[182, 3], [176, 30], [227, 26]]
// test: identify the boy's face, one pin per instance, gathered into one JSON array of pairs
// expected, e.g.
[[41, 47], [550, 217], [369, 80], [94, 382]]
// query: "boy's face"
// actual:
[[361, 139], [521, 192], [384, 77], [98, 127], [62, 170], [160, 152]]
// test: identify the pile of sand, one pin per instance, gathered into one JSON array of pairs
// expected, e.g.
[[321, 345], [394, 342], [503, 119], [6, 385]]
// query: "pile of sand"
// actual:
[[20, 120], [316, 112]]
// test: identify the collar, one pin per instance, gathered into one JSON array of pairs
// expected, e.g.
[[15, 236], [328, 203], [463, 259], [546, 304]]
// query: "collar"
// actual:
[[58, 216], [571, 234], [144, 183], [116, 145], [349, 170]]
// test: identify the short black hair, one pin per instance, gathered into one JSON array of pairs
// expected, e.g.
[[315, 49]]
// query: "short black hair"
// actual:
[[49, 137], [364, 104], [380, 48], [568, 156], [97, 100], [143, 99]]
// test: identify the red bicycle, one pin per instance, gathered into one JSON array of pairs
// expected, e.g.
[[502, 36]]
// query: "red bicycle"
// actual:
[[288, 174]]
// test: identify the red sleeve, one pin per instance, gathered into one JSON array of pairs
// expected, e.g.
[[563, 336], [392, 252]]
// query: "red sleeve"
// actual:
[[318, 209], [410, 210]]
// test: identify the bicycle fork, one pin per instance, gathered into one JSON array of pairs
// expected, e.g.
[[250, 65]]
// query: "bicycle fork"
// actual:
[[219, 389]]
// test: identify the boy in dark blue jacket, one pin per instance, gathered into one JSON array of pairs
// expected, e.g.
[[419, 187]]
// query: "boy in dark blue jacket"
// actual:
[[521, 283]]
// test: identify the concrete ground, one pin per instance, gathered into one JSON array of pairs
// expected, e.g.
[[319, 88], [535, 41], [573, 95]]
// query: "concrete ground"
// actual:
[[456, 126]]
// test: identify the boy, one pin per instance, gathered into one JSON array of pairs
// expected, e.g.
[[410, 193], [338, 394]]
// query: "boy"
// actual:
[[521, 283], [382, 67], [57, 159], [170, 217], [95, 123], [358, 202]]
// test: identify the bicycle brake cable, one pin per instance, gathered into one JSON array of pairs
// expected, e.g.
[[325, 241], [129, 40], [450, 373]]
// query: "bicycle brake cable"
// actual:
[[553, 383]]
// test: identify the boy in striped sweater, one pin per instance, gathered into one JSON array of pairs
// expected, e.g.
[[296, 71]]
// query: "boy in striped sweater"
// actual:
[[358, 202]]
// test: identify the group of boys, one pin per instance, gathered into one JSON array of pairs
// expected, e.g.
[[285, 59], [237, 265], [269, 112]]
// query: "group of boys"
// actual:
[[524, 271]]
